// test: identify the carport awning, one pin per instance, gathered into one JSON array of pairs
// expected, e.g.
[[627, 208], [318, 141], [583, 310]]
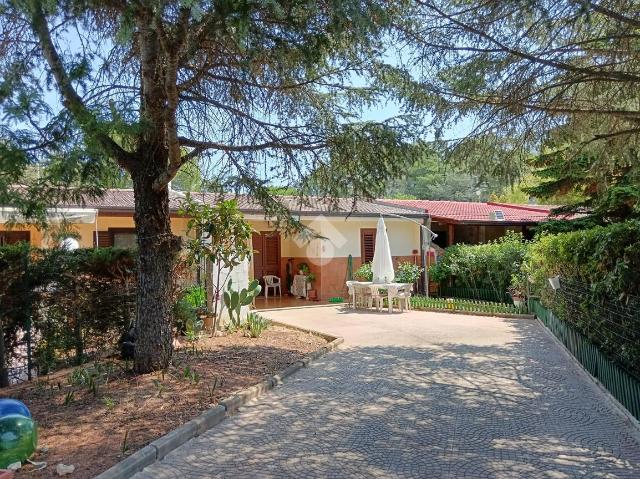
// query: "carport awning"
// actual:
[[54, 215]]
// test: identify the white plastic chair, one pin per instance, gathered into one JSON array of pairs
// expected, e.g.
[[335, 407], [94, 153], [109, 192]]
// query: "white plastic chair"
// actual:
[[352, 294], [377, 298], [271, 281], [403, 297], [362, 296]]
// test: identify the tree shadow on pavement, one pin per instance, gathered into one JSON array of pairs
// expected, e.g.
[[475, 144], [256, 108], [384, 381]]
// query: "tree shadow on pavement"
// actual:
[[447, 410]]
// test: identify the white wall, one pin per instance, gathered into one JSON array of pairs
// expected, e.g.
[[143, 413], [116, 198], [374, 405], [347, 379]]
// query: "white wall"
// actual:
[[240, 279], [343, 237]]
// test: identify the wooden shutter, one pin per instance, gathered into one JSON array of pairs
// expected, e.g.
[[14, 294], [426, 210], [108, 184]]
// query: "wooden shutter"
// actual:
[[367, 244], [271, 250], [13, 237], [105, 239]]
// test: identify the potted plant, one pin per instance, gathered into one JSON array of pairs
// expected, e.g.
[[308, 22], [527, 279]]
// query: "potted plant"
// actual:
[[303, 269], [312, 294], [518, 288]]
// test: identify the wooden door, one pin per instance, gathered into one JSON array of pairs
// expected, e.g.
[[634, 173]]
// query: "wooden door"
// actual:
[[266, 258]]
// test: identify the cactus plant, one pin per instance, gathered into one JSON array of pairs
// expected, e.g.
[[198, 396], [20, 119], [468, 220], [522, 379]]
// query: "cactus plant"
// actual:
[[235, 300]]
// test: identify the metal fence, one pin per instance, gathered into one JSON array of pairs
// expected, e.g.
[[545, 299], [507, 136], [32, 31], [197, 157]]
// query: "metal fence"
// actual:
[[624, 386], [89, 327]]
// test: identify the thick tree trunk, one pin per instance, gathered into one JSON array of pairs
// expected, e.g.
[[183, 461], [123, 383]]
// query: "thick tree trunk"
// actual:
[[157, 249]]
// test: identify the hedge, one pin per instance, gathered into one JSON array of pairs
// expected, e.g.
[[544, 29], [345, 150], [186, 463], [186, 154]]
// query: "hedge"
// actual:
[[483, 267], [599, 293], [63, 306]]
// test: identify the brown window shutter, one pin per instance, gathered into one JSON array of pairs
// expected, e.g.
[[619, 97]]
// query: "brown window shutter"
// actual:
[[105, 239], [367, 244], [271, 250], [13, 237]]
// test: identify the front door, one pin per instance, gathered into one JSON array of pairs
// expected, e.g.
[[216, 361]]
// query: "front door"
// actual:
[[266, 258]]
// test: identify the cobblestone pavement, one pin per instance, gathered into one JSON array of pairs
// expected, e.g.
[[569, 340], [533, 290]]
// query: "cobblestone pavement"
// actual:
[[484, 398]]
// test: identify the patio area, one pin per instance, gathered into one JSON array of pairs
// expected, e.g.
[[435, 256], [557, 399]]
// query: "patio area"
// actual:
[[417, 395], [284, 302]]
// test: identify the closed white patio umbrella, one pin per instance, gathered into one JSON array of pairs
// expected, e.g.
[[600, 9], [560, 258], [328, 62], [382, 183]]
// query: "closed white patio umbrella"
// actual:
[[382, 263]]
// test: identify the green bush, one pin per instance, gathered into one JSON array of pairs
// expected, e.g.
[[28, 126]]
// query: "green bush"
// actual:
[[605, 257], [186, 309], [408, 273], [364, 272], [599, 295], [74, 304], [488, 266]]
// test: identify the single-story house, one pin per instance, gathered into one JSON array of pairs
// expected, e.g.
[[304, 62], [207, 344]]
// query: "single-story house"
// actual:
[[345, 231], [472, 223]]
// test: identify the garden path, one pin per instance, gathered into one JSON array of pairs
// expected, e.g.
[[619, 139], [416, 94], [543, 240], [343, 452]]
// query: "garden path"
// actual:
[[424, 395]]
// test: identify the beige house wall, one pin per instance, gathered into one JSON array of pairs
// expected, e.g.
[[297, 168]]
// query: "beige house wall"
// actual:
[[327, 256], [40, 238]]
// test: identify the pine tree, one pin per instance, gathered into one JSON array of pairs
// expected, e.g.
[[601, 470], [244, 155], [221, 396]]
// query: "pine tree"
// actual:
[[262, 89]]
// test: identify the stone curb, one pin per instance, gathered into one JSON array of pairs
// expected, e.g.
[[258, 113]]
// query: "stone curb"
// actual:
[[328, 337], [306, 306], [162, 446], [136, 462], [474, 313], [610, 398]]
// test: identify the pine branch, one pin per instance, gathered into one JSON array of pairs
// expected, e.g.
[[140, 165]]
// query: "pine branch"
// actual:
[[70, 98]]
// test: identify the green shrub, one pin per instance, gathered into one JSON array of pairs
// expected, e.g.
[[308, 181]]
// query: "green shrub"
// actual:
[[605, 257], [186, 309], [488, 266], [75, 304], [405, 272], [408, 273], [364, 272], [184, 313], [599, 295], [255, 325]]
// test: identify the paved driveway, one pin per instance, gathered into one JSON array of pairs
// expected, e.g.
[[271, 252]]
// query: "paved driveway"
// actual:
[[424, 395]]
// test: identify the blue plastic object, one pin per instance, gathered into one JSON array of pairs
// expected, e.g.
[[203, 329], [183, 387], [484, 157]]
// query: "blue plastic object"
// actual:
[[18, 432], [13, 406]]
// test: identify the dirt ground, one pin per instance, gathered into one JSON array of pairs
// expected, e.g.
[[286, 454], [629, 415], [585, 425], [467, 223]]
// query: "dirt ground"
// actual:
[[96, 415]]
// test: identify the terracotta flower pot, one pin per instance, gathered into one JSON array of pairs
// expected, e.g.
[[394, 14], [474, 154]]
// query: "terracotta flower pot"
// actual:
[[312, 295]]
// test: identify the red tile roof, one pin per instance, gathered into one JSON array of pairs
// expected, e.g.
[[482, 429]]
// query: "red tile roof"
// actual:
[[471, 212]]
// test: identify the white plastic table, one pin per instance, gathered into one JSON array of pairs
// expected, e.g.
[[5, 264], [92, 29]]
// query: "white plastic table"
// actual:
[[391, 288]]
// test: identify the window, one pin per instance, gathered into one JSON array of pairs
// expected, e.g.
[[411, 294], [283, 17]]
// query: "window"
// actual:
[[124, 239], [117, 237], [13, 237], [497, 215], [367, 244]]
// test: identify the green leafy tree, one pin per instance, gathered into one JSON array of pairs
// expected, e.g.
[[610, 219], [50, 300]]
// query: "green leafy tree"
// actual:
[[517, 70], [604, 191], [189, 178], [222, 238], [433, 179], [264, 90]]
